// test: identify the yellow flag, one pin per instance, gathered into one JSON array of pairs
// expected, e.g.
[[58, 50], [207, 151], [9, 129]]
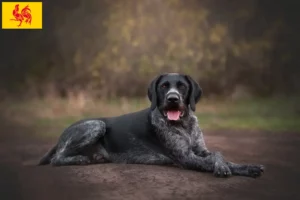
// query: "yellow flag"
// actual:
[[22, 15]]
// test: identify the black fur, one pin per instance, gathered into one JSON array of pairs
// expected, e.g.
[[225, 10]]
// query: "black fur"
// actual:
[[195, 93], [149, 136]]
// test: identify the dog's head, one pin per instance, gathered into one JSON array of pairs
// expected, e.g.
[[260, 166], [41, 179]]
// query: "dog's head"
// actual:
[[173, 94]]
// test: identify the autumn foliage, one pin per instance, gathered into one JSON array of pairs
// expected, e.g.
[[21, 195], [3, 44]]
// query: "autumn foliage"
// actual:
[[114, 48]]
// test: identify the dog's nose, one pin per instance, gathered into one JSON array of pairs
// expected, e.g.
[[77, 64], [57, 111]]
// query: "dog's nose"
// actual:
[[173, 98]]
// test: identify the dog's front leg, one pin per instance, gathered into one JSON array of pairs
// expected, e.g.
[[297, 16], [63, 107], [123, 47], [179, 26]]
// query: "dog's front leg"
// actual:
[[211, 163], [199, 148], [182, 154], [198, 143], [250, 170]]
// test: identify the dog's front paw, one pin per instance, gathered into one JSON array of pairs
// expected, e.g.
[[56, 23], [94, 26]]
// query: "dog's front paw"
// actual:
[[221, 170], [255, 170]]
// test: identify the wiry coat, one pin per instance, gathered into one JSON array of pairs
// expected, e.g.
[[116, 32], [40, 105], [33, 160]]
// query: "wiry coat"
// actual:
[[147, 136]]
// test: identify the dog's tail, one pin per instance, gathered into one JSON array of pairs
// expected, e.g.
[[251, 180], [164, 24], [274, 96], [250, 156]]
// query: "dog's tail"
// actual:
[[47, 157]]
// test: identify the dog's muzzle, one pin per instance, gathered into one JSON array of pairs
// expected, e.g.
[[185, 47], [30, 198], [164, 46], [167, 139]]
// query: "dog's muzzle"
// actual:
[[173, 109]]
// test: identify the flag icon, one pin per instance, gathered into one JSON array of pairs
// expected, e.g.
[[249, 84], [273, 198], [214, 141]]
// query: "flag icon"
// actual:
[[22, 15]]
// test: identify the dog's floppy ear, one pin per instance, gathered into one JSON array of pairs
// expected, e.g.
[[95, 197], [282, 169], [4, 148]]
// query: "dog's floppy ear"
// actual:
[[152, 94], [194, 93]]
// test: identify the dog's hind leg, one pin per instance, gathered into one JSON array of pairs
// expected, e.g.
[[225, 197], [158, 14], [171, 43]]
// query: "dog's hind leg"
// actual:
[[100, 155], [76, 141], [70, 160], [46, 159], [138, 157]]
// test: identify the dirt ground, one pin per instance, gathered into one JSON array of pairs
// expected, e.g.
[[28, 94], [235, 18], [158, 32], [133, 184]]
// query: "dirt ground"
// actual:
[[21, 179]]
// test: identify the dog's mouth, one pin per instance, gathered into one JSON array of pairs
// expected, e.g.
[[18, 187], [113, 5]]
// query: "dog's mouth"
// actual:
[[173, 115]]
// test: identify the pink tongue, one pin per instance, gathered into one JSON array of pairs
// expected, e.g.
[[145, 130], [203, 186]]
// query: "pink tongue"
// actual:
[[173, 115]]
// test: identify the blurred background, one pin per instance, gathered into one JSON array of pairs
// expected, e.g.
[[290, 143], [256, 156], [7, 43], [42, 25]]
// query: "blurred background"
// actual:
[[96, 58]]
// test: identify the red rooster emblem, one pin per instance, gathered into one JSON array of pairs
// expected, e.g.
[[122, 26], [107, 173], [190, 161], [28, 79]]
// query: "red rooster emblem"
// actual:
[[25, 14]]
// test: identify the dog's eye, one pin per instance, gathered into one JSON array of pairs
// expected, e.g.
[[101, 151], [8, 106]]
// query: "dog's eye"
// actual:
[[163, 86], [181, 87]]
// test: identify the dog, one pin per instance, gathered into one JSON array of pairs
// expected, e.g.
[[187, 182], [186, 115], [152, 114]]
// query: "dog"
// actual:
[[166, 133]]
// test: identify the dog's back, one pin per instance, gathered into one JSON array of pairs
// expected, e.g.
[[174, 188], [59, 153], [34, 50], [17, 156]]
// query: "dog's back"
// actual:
[[124, 131]]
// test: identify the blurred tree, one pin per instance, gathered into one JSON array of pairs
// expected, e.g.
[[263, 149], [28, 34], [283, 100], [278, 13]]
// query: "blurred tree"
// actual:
[[114, 48]]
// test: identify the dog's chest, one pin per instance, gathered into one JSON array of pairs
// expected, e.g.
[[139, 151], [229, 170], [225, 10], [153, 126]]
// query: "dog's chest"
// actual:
[[182, 133]]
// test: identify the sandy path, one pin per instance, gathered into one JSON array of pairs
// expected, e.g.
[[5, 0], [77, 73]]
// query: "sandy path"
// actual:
[[21, 179]]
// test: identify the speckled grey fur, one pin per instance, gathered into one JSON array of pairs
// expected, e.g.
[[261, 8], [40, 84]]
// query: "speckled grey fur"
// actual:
[[185, 145], [147, 137]]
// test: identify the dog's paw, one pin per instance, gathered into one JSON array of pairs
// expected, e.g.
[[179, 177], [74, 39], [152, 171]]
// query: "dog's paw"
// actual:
[[83, 160], [221, 170], [255, 170], [98, 158]]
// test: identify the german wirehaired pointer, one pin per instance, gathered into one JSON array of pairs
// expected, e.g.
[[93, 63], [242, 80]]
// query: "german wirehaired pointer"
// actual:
[[166, 133]]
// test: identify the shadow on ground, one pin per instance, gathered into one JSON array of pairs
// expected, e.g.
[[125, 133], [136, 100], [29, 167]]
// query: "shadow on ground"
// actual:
[[21, 179]]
